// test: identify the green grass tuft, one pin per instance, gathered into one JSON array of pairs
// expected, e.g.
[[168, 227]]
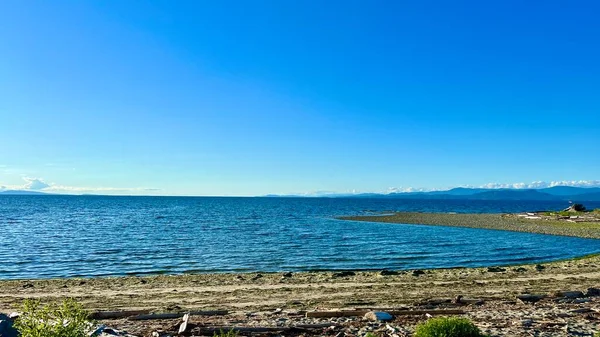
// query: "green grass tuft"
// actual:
[[68, 319], [448, 327], [230, 333]]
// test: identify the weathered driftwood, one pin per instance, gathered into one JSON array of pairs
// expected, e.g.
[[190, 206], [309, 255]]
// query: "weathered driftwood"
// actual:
[[347, 313], [174, 315], [117, 314], [184, 324]]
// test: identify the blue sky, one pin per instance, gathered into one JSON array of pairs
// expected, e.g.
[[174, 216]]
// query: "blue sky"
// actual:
[[257, 97]]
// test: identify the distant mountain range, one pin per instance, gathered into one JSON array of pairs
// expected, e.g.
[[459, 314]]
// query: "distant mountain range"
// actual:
[[22, 192], [566, 193]]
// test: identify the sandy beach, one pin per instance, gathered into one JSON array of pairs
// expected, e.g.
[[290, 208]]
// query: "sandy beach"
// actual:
[[277, 299], [506, 222]]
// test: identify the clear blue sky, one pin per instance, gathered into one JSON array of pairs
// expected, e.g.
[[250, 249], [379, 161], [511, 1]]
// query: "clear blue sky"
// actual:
[[257, 97]]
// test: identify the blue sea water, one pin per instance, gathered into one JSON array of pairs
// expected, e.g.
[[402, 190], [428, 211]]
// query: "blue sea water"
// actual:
[[65, 236]]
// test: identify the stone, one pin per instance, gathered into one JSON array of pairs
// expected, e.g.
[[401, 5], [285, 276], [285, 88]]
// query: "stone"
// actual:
[[593, 292], [528, 298], [521, 270], [286, 275], [344, 274], [527, 322], [496, 269], [380, 316], [388, 272], [418, 272], [539, 267]]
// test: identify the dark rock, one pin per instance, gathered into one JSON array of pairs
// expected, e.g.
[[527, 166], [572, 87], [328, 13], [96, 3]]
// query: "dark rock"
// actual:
[[344, 274], [592, 292], [496, 269], [527, 323], [257, 276], [582, 300], [6, 327], [380, 316], [28, 285], [388, 272], [418, 272], [286, 275], [528, 298], [521, 270], [539, 267]]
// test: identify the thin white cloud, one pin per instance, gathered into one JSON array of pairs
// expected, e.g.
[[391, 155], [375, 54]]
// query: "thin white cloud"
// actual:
[[543, 184], [76, 189], [407, 190], [532, 185], [38, 184]]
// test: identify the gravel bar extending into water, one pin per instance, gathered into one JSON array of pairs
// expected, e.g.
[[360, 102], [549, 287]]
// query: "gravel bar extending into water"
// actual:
[[507, 222]]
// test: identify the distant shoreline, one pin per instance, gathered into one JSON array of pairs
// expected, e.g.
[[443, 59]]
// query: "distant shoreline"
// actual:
[[505, 222]]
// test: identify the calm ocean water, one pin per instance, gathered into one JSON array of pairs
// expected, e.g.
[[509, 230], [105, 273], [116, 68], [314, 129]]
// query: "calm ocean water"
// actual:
[[66, 236]]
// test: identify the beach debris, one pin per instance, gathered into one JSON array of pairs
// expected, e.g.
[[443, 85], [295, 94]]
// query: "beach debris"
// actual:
[[343, 274], [287, 275], [27, 285], [520, 270], [380, 316], [529, 298], [539, 267], [461, 300], [6, 327], [97, 331], [184, 324], [256, 277], [386, 272], [496, 269]]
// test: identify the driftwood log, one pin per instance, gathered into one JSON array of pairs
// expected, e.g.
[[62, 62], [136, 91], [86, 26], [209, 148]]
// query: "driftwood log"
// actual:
[[173, 315]]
